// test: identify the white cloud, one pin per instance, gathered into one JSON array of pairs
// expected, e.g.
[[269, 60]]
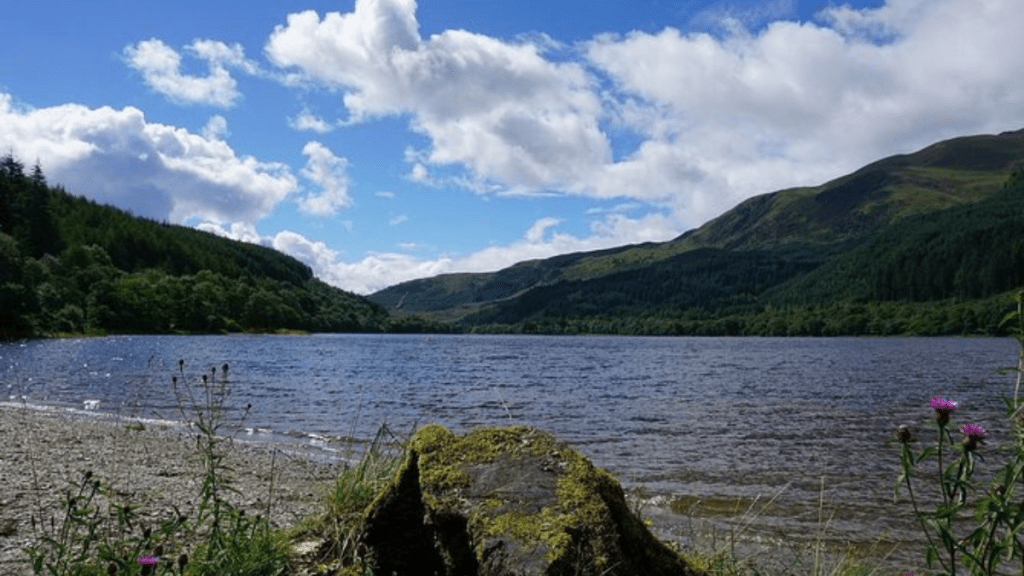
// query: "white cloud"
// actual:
[[160, 66], [796, 103], [155, 170], [219, 54], [316, 254], [329, 173], [307, 121], [242, 231], [499, 109], [536, 232], [380, 270], [216, 128], [385, 195], [396, 220]]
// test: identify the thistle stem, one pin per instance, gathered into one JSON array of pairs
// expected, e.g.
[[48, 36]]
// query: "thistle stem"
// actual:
[[920, 518]]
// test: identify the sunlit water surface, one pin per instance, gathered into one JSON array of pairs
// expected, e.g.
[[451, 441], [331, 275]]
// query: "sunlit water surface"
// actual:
[[776, 437]]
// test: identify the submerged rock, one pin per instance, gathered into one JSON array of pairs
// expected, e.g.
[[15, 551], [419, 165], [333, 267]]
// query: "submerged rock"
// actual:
[[507, 501]]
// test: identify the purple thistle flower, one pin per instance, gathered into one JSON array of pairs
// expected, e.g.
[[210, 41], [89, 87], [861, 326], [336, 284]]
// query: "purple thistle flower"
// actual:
[[973, 431], [975, 435], [148, 564], [942, 408]]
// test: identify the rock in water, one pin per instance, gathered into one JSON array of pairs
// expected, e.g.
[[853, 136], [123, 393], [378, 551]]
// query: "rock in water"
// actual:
[[507, 502]]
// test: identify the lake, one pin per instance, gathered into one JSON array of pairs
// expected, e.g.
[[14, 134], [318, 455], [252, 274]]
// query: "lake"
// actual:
[[795, 430]]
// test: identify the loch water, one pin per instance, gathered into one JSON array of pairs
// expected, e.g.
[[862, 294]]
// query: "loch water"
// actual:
[[779, 438]]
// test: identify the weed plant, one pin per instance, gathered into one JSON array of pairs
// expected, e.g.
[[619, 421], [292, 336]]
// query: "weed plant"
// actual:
[[95, 534], [969, 528], [337, 529], [738, 552]]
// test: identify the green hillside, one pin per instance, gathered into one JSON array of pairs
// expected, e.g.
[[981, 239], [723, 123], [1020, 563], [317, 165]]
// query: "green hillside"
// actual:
[[965, 252], [69, 265], [912, 229]]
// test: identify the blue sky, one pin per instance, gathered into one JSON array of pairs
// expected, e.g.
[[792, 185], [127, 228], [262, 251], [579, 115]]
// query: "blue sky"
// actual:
[[385, 140]]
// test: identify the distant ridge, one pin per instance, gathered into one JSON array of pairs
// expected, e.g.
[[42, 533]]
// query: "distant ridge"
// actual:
[[735, 265]]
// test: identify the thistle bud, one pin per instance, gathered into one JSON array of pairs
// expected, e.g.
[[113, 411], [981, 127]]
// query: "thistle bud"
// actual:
[[905, 434]]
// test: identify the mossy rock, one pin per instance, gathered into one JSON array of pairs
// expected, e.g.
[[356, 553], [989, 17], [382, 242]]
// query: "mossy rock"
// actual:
[[507, 501]]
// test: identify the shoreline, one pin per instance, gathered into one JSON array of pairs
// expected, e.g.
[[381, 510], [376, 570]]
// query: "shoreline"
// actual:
[[42, 449]]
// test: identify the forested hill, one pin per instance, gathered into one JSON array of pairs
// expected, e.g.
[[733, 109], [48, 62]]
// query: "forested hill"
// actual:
[[921, 243], [69, 265]]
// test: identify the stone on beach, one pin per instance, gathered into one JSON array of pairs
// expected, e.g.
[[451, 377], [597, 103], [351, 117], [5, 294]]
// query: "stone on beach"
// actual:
[[508, 501]]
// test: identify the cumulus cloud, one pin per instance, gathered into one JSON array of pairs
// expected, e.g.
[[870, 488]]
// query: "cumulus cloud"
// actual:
[[155, 170], [307, 121], [318, 255], [216, 128], [160, 67], [500, 109], [241, 231], [329, 174], [798, 103]]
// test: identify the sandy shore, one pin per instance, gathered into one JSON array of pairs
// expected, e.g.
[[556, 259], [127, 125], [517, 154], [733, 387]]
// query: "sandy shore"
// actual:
[[41, 450]]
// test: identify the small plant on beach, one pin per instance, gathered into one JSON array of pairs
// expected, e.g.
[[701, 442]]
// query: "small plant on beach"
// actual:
[[234, 543], [95, 534], [737, 552], [61, 547], [981, 545], [345, 501]]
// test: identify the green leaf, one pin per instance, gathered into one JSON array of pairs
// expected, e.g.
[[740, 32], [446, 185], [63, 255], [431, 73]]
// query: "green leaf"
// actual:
[[931, 555]]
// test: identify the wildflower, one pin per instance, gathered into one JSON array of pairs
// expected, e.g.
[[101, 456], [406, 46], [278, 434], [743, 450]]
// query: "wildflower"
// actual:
[[975, 435], [148, 562], [942, 408]]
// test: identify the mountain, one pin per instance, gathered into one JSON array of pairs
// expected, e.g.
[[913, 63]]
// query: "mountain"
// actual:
[[69, 265], [811, 239]]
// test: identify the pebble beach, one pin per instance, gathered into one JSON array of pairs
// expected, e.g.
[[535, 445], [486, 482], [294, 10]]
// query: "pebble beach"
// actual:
[[42, 450]]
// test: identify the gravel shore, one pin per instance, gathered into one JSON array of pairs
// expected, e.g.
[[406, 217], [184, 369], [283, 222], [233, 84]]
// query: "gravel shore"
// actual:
[[42, 450]]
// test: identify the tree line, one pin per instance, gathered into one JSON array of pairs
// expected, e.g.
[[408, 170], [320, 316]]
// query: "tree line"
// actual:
[[69, 265]]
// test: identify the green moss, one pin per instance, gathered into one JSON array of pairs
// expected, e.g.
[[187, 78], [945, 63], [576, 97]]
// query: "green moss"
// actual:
[[445, 457]]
